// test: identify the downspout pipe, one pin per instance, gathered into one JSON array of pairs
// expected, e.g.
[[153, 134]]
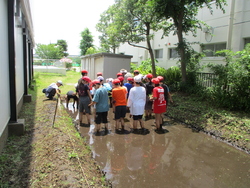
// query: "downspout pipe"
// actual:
[[25, 61], [12, 70], [230, 28]]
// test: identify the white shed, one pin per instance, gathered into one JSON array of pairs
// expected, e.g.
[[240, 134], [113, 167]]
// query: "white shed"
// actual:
[[107, 63]]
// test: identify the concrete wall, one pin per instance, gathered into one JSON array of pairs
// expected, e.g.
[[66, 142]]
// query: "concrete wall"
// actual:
[[108, 64], [4, 76], [229, 28]]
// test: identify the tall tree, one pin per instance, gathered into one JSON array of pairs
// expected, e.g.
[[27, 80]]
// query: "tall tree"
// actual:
[[109, 39], [183, 13], [63, 47], [50, 51], [86, 42], [133, 22]]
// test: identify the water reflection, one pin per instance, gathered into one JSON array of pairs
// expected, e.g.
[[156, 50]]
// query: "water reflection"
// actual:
[[177, 157]]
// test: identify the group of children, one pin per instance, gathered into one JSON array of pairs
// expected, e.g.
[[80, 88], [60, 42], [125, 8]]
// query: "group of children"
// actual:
[[123, 94]]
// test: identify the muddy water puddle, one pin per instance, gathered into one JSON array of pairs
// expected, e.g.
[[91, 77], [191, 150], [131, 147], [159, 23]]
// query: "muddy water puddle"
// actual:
[[174, 158]]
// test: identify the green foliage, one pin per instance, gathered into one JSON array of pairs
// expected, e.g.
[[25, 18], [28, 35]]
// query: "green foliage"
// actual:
[[63, 47], [132, 22], [50, 51], [232, 84], [172, 78], [93, 50], [86, 41], [183, 13], [192, 60], [109, 39], [68, 66]]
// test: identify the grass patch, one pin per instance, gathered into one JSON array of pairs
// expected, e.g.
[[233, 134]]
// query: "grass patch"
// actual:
[[231, 126]]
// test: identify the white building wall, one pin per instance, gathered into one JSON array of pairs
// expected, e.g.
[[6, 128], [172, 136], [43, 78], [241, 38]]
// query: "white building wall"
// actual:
[[4, 70], [220, 23], [19, 63]]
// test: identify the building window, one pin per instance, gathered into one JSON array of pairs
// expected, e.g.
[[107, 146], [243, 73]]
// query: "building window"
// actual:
[[159, 54], [246, 41], [173, 53], [210, 49]]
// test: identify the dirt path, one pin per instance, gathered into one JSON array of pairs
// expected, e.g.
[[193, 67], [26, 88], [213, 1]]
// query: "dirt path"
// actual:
[[47, 156]]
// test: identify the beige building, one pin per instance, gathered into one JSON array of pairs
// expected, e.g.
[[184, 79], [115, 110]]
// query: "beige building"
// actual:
[[229, 30], [107, 63]]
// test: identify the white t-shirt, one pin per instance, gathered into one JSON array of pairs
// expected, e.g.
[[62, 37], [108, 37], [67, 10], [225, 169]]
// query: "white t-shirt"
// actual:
[[53, 85], [137, 100]]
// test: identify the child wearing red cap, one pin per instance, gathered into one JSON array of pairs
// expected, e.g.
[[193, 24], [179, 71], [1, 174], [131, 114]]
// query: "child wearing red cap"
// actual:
[[119, 95], [159, 102], [84, 95]]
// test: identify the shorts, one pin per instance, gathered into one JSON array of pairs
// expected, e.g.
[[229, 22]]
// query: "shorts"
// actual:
[[84, 104], [101, 117], [137, 117], [120, 112]]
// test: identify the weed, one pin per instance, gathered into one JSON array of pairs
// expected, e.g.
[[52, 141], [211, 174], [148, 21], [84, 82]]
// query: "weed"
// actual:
[[72, 155]]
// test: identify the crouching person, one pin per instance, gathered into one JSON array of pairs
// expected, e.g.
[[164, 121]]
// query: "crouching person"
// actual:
[[72, 95], [101, 100], [53, 89]]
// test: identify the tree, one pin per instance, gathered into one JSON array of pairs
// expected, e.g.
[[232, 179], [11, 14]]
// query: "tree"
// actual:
[[109, 39], [86, 42], [63, 47], [183, 13], [132, 22], [50, 51]]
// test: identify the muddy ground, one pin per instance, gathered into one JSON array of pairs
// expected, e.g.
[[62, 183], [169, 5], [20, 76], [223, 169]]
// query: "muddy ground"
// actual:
[[48, 155], [57, 156]]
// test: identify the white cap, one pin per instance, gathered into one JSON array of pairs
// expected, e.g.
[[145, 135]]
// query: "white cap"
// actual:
[[60, 82], [137, 78], [100, 78], [123, 71]]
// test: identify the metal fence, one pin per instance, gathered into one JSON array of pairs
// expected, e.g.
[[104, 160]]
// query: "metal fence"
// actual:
[[206, 79]]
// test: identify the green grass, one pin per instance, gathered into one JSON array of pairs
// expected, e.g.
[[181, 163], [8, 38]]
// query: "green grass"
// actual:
[[43, 80]]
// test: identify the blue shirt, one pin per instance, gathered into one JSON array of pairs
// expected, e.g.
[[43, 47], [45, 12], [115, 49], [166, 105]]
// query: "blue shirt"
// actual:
[[101, 98], [128, 86]]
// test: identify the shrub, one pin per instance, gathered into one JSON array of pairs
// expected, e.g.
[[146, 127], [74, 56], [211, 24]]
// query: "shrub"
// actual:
[[232, 86]]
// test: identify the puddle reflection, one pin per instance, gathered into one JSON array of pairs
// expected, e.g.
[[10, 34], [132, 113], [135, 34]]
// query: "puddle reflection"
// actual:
[[175, 157]]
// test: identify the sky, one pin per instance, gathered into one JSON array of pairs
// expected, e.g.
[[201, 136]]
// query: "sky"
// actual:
[[65, 19]]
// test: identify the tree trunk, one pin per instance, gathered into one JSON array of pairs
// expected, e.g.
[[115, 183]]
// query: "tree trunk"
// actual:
[[181, 45], [150, 50], [182, 55]]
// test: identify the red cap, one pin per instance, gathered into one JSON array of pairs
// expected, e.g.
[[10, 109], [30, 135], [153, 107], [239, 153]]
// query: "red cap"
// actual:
[[130, 79], [149, 76], [86, 78], [84, 71], [99, 74], [116, 81], [95, 82], [136, 71], [119, 74], [120, 78], [160, 78], [155, 80]]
